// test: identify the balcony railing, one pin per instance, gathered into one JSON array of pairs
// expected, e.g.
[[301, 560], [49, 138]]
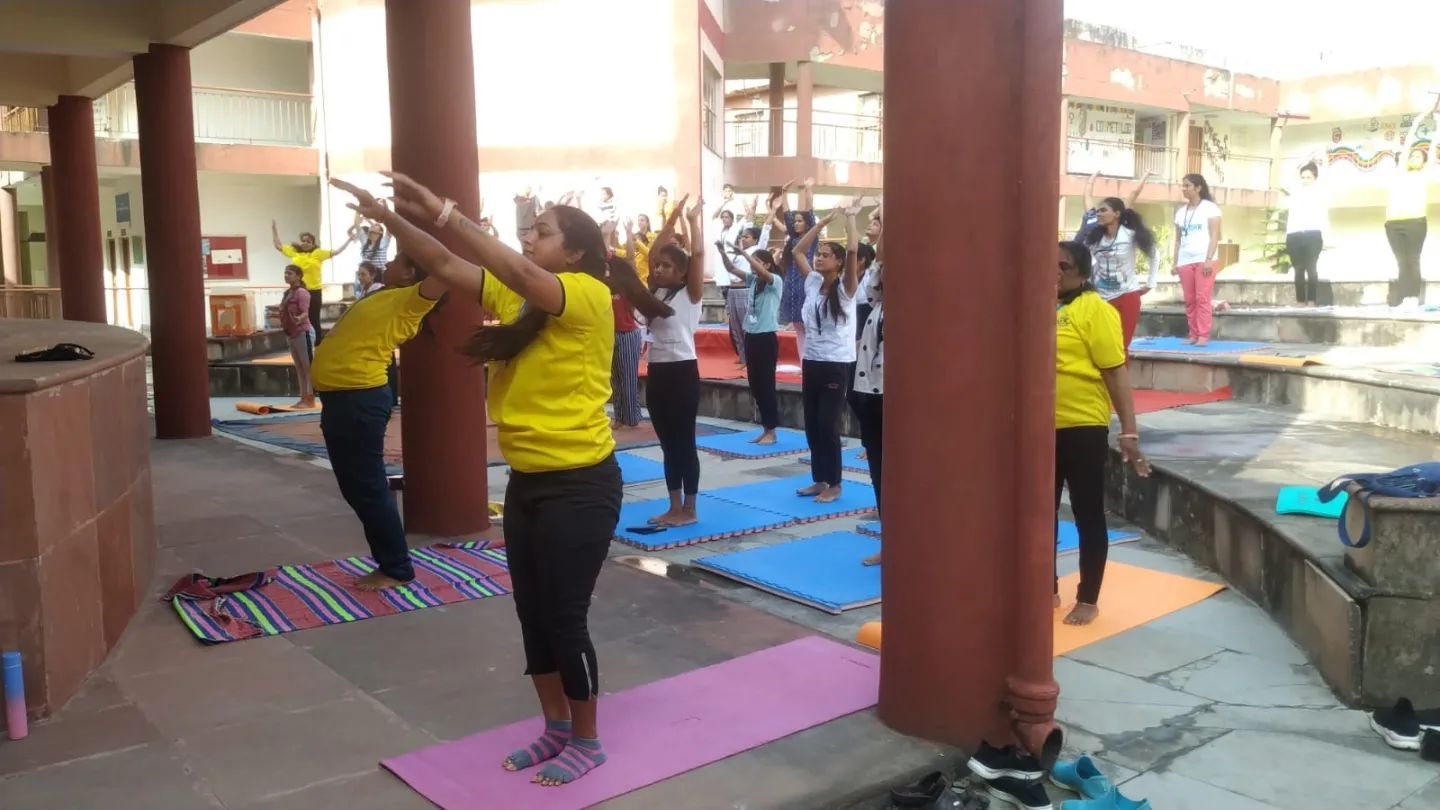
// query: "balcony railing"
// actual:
[[34, 303], [1133, 160], [833, 136], [221, 115]]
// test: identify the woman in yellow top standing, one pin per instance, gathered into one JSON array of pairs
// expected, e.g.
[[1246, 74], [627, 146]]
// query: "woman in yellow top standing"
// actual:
[[1090, 374], [307, 255], [549, 381]]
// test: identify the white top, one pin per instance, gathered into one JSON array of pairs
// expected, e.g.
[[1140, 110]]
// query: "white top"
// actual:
[[1115, 272], [870, 356], [825, 339], [1309, 210], [1193, 227], [673, 338]]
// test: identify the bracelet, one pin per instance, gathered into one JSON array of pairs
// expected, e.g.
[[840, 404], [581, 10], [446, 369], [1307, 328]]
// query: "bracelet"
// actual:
[[445, 212], [1135, 436]]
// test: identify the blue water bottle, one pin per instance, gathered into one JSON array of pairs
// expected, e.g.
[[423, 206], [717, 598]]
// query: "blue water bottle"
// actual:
[[15, 721]]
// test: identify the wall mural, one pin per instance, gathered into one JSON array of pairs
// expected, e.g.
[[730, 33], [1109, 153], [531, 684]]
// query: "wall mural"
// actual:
[[1380, 142]]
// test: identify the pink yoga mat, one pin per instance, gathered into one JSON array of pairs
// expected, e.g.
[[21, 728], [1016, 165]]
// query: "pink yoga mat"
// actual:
[[659, 730]]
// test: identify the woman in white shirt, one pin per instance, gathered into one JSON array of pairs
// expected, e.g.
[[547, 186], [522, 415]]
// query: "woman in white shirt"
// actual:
[[1116, 240], [828, 315], [672, 385], [1406, 211], [1305, 228], [1197, 248]]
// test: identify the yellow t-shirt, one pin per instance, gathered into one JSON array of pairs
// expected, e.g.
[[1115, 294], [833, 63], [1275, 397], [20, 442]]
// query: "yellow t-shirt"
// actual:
[[309, 264], [1087, 340], [548, 403], [642, 258], [357, 351]]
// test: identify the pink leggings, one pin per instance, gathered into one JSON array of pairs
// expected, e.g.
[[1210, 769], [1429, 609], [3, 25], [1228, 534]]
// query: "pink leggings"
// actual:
[[1198, 288]]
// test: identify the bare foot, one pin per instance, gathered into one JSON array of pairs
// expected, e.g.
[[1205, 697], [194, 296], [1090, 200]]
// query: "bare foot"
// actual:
[[684, 517], [376, 581], [1190, 340], [664, 519], [830, 495], [873, 559], [864, 456], [768, 437], [1203, 342], [811, 491], [1082, 614]]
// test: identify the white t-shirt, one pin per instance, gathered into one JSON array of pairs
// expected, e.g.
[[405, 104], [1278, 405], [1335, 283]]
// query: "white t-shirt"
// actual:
[[1114, 269], [673, 338], [1192, 225], [825, 339], [1309, 210], [870, 357]]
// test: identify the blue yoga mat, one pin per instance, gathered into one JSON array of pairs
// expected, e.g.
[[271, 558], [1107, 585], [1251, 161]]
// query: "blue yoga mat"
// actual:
[[638, 469], [1175, 345], [718, 520], [740, 445], [869, 527], [778, 496], [823, 572], [1306, 501], [1069, 538], [850, 461]]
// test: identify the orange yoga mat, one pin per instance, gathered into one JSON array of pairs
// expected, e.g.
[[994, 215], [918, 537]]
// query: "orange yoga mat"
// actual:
[[1149, 401], [255, 407], [1132, 596], [1280, 361]]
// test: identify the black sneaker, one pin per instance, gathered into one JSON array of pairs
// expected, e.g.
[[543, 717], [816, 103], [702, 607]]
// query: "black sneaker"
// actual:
[[1430, 745], [991, 763], [1027, 795], [1400, 726]]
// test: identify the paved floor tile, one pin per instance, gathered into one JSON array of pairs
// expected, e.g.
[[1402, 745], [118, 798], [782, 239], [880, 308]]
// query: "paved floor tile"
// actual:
[[1081, 681], [1243, 679], [1426, 798], [150, 777], [72, 735], [1148, 650], [1171, 791], [376, 790]]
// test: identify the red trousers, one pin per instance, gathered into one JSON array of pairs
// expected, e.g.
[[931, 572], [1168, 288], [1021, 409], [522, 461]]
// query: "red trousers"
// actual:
[[1128, 305]]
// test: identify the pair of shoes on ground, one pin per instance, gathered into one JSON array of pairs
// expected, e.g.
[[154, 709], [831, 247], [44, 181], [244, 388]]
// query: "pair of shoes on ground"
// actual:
[[1404, 728], [935, 793], [1095, 789], [1012, 777]]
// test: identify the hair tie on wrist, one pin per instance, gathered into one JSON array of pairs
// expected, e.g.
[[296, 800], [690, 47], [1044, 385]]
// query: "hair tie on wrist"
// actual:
[[445, 212]]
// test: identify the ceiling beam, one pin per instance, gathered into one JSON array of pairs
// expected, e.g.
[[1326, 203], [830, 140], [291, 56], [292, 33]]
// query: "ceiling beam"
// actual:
[[91, 28]]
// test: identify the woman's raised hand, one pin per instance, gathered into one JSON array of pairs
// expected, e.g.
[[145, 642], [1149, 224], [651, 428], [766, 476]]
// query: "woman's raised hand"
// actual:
[[365, 204], [853, 206], [413, 199], [693, 212]]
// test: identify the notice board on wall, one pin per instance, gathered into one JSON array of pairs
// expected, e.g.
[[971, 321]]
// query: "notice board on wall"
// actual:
[[225, 257]]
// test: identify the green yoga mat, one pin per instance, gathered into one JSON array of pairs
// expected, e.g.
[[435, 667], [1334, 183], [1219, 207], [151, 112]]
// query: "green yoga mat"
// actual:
[[1306, 501]]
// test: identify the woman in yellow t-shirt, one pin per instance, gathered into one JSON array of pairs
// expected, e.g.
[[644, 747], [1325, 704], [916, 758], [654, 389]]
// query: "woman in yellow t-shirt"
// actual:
[[549, 381], [306, 254], [1090, 374]]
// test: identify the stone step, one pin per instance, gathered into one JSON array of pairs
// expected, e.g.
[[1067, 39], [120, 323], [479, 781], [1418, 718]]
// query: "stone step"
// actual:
[[1341, 326], [1280, 291], [222, 349]]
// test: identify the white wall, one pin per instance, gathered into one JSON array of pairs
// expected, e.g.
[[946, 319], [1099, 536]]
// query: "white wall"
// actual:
[[246, 62]]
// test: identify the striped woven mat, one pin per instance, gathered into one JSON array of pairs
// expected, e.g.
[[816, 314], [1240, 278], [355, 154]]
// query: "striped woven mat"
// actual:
[[299, 597]]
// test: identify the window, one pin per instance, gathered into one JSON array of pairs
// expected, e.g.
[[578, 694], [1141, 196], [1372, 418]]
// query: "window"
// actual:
[[712, 99]]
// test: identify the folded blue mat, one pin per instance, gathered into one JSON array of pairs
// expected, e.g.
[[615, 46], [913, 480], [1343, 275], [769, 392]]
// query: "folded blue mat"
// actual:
[[1175, 345], [823, 572], [1306, 501], [638, 469], [741, 445], [718, 520], [869, 527], [778, 496], [1069, 538]]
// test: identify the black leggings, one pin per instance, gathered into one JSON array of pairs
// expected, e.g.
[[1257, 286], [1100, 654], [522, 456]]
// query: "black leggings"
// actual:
[[823, 385], [1080, 457], [1407, 240], [558, 527], [869, 411], [762, 351], [672, 392], [1304, 248], [315, 306]]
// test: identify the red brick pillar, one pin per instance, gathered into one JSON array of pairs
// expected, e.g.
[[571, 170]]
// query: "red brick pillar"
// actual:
[[52, 226], [970, 384], [172, 229], [777, 109], [432, 126], [77, 212]]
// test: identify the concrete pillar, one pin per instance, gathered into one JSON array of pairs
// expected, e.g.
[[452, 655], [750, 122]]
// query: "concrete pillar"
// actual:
[[432, 126], [172, 229], [77, 194], [804, 109], [976, 544], [52, 226], [1182, 140], [9, 236], [777, 108]]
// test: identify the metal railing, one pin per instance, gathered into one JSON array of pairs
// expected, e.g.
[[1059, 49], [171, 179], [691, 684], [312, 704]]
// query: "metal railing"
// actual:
[[221, 115], [833, 136], [1231, 170], [34, 303], [1122, 159]]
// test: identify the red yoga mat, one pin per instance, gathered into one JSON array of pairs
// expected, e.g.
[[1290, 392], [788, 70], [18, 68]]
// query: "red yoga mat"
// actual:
[[659, 730], [1147, 401]]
